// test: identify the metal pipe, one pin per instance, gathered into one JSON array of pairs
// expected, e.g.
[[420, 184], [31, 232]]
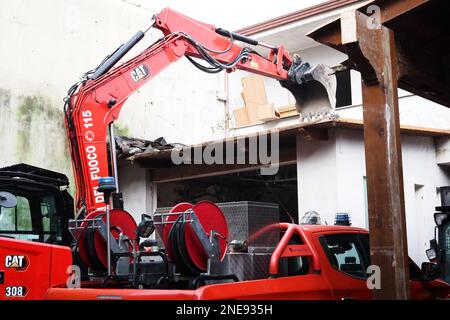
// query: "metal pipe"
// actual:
[[117, 55], [168, 214], [268, 46], [169, 222], [108, 240], [112, 149], [227, 104], [276, 255], [240, 37]]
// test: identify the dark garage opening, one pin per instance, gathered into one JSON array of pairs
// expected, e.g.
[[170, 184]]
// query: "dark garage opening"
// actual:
[[242, 186]]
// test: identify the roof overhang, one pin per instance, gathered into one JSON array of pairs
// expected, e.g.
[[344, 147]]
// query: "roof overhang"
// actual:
[[290, 30], [164, 170], [422, 40]]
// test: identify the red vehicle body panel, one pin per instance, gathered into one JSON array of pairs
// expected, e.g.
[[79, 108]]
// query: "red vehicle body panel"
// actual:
[[45, 266], [327, 284], [118, 294]]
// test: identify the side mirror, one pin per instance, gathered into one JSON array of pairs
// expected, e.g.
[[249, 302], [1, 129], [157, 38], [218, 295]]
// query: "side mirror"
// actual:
[[430, 271], [7, 199]]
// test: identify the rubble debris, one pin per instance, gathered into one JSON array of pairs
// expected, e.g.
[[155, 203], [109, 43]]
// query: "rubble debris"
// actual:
[[127, 146]]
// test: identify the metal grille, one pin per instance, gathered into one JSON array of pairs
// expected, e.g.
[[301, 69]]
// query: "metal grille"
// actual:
[[244, 219], [158, 234], [247, 266]]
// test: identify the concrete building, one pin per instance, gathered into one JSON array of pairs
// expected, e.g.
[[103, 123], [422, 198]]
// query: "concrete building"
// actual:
[[47, 52]]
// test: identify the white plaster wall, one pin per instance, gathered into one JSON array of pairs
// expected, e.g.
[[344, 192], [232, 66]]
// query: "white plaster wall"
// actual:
[[134, 184], [317, 177], [330, 180], [414, 111], [350, 171], [419, 169]]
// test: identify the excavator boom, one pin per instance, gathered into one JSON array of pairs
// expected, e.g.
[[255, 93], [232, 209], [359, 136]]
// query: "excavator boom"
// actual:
[[94, 103]]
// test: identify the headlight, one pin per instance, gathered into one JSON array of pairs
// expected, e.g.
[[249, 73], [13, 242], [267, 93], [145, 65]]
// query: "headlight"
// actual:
[[439, 217], [431, 254], [145, 227]]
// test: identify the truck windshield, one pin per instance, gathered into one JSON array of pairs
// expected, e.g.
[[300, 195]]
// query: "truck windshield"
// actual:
[[33, 218], [348, 253]]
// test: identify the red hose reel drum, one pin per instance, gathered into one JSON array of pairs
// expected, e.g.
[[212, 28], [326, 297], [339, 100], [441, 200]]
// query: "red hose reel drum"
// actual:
[[211, 218], [92, 245]]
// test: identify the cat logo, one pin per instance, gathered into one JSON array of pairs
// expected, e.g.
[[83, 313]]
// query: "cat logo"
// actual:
[[139, 73], [20, 263]]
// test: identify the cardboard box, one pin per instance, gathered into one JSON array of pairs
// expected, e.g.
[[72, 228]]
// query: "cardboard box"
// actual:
[[267, 112], [288, 111], [253, 90], [252, 112], [241, 117]]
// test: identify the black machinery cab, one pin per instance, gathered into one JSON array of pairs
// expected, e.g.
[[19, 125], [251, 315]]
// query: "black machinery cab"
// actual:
[[42, 205], [439, 251]]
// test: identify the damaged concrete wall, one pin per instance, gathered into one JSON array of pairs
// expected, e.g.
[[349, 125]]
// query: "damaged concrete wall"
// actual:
[[47, 45], [39, 129], [32, 131]]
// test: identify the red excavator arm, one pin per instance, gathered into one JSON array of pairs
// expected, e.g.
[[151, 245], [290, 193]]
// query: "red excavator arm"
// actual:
[[94, 103]]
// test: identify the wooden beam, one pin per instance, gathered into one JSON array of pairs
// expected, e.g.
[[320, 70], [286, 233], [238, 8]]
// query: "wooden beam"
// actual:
[[388, 242], [405, 129], [329, 34], [421, 71], [295, 16], [391, 9]]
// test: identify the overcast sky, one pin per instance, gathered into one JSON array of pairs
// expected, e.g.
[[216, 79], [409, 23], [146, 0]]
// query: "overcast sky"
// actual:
[[229, 14]]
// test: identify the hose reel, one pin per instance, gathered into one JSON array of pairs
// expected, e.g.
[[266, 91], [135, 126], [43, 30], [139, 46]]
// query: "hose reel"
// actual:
[[90, 234], [195, 237]]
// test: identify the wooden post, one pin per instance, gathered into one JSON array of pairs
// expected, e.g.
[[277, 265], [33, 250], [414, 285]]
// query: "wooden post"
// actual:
[[375, 53], [385, 63]]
